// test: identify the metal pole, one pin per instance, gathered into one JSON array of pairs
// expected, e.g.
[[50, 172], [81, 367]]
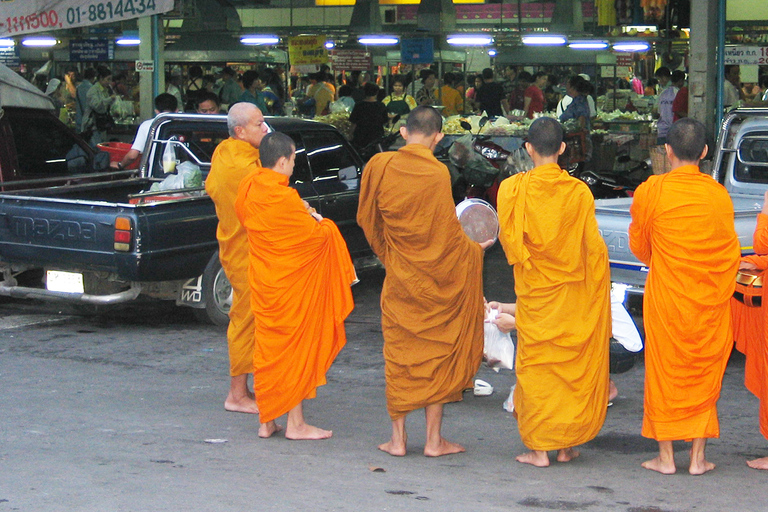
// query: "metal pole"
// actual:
[[720, 60]]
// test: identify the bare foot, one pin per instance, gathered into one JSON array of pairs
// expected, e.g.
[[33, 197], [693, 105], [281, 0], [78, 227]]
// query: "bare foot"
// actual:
[[613, 391], [393, 448], [700, 467], [567, 454], [267, 429], [665, 468], [307, 433], [243, 404], [758, 463], [445, 447], [540, 459]]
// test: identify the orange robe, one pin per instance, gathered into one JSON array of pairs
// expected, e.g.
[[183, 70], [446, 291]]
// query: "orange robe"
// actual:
[[432, 298], [750, 328], [300, 275], [683, 229], [562, 282], [232, 161]]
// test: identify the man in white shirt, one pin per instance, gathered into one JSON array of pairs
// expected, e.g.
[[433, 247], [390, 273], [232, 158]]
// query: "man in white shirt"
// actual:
[[666, 98], [163, 103], [731, 85]]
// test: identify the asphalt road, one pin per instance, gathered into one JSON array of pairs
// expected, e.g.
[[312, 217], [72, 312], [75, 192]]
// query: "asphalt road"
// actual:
[[124, 412]]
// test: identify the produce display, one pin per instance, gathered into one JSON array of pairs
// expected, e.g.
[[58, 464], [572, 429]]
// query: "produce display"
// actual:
[[340, 120]]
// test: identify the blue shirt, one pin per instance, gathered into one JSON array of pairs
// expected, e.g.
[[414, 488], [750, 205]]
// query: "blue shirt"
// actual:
[[576, 109]]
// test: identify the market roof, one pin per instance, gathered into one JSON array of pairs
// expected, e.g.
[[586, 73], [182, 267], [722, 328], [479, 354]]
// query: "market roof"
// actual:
[[17, 92]]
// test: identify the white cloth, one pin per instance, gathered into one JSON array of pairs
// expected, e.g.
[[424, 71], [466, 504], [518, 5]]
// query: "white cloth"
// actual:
[[141, 136], [623, 328]]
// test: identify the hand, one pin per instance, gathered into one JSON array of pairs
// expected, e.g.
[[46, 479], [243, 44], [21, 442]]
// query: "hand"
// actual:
[[486, 244], [746, 265], [493, 305], [765, 203], [505, 322], [309, 208], [316, 216]]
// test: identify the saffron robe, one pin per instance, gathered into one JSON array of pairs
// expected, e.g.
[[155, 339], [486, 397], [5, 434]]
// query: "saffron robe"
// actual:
[[750, 328], [562, 282], [300, 275], [232, 161], [683, 229], [432, 298]]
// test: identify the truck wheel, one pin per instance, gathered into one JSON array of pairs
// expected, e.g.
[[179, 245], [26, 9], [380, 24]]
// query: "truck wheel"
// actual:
[[622, 360], [217, 293]]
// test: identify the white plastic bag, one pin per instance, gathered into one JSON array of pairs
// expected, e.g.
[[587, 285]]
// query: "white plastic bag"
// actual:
[[169, 156], [623, 327], [499, 350], [188, 176]]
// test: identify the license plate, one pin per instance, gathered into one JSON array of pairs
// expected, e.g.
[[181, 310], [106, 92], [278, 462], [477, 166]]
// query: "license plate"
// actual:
[[69, 282]]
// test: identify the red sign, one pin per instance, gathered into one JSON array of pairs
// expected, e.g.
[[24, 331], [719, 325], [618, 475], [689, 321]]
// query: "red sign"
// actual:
[[624, 59], [351, 60]]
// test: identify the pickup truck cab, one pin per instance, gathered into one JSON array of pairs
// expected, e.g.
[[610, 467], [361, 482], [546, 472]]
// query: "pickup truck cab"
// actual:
[[740, 163], [100, 239]]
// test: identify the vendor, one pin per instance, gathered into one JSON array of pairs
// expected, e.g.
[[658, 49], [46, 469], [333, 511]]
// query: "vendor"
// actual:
[[399, 103]]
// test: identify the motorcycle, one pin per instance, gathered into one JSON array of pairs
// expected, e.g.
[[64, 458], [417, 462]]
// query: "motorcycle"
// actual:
[[605, 185]]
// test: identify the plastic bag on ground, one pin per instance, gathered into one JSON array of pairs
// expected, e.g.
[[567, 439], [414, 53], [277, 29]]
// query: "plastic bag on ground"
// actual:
[[499, 350]]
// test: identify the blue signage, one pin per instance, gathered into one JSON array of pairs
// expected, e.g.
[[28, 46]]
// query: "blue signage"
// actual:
[[10, 56], [417, 51], [92, 49]]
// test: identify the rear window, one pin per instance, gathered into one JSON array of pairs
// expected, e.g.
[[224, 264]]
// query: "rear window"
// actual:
[[45, 148], [196, 142], [754, 150]]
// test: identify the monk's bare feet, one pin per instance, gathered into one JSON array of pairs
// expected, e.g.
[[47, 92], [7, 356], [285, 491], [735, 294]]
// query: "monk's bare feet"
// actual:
[[700, 467], [241, 404], [306, 432], [268, 429], [567, 454], [758, 463], [393, 447], [613, 391], [540, 459], [444, 447], [663, 467]]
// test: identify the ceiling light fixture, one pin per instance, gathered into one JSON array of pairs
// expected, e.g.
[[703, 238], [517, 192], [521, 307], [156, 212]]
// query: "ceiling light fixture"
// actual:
[[631, 46], [492, 52], [128, 41], [40, 42], [378, 40], [544, 40], [469, 40], [588, 45], [259, 39], [330, 45], [7, 43]]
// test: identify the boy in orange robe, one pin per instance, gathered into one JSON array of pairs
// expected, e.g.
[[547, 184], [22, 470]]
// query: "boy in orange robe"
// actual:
[[232, 161], [300, 275], [563, 313], [750, 328], [683, 229], [432, 298]]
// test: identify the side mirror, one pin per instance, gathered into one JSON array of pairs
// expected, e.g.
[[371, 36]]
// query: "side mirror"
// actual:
[[465, 125]]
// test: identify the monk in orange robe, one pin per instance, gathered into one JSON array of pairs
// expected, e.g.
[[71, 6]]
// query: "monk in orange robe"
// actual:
[[683, 229], [432, 298], [750, 329], [232, 161], [563, 314], [300, 275]]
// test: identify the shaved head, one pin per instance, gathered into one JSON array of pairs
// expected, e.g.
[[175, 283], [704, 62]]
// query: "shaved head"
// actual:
[[424, 120]]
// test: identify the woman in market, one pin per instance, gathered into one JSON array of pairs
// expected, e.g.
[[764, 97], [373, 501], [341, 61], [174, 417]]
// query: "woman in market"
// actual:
[[477, 82], [398, 102], [578, 89], [98, 101], [368, 117], [426, 96]]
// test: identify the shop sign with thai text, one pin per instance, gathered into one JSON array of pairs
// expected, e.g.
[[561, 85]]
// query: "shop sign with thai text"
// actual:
[[307, 50], [29, 16], [351, 60], [10, 56], [417, 51], [91, 49], [746, 55]]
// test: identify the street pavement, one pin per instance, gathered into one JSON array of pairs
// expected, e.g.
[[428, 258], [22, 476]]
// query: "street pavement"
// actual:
[[124, 412]]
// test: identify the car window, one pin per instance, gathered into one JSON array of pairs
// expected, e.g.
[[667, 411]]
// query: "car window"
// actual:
[[45, 147], [192, 142], [301, 172], [329, 157]]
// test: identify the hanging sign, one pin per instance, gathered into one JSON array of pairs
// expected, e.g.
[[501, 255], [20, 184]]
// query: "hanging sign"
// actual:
[[10, 56], [307, 50], [145, 66], [91, 49], [351, 60], [29, 16], [417, 51], [746, 55]]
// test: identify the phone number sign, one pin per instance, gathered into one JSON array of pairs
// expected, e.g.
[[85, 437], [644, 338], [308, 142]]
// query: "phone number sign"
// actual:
[[29, 16]]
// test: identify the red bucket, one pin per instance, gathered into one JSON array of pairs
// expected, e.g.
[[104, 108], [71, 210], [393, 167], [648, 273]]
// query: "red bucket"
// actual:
[[118, 150]]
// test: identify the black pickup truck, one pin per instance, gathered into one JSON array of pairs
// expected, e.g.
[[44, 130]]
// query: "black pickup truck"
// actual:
[[99, 238]]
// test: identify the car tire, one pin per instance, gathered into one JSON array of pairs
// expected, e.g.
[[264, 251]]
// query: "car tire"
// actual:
[[217, 294]]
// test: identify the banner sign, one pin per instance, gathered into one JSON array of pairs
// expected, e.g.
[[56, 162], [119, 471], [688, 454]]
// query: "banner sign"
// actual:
[[351, 60], [417, 51], [29, 16], [746, 55], [307, 50], [92, 49]]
